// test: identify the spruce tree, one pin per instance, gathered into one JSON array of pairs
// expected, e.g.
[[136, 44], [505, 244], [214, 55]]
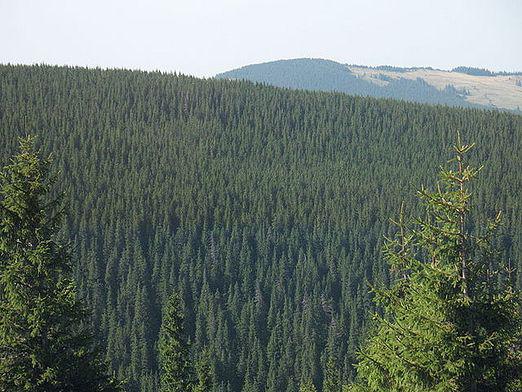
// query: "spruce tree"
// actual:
[[204, 373], [307, 386], [451, 319], [176, 369], [44, 344], [331, 379]]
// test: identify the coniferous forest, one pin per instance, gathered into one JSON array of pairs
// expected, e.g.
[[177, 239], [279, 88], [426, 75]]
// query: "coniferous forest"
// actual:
[[255, 215]]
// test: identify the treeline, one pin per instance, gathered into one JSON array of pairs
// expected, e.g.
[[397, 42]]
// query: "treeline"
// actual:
[[264, 208], [483, 72]]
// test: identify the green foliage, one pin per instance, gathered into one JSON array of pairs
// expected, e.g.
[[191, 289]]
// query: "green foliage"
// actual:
[[307, 386], [332, 374], [264, 208], [204, 373], [451, 319], [176, 368], [44, 344]]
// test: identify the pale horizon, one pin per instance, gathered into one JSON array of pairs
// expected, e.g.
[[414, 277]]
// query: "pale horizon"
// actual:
[[203, 38]]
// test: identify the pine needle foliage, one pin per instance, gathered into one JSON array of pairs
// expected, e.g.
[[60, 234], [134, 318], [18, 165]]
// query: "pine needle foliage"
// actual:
[[44, 344], [451, 320], [307, 386], [204, 373], [176, 367]]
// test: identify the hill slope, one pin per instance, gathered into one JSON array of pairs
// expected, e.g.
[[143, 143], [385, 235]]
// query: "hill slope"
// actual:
[[264, 207], [464, 88]]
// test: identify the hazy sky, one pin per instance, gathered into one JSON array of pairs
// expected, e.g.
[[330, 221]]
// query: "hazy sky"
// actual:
[[204, 37]]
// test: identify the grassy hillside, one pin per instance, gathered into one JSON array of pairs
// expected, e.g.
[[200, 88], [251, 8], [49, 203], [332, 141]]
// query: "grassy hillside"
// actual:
[[264, 207], [502, 91]]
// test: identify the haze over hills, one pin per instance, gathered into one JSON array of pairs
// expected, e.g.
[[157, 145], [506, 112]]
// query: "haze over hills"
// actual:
[[462, 86]]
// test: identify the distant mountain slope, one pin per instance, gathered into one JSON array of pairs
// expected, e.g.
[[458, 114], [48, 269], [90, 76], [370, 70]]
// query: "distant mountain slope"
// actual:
[[306, 74], [459, 87]]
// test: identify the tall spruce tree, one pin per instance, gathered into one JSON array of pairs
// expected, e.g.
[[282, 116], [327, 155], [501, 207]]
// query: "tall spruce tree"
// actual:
[[44, 344], [331, 378], [451, 319], [204, 373], [177, 373]]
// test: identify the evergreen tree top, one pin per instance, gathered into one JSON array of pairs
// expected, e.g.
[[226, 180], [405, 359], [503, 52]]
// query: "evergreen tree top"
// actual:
[[44, 345], [449, 322]]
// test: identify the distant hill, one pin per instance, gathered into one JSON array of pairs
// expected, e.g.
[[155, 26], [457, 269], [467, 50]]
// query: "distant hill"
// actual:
[[463, 86]]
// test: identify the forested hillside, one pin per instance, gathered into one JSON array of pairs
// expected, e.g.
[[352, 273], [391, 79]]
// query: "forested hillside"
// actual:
[[266, 208]]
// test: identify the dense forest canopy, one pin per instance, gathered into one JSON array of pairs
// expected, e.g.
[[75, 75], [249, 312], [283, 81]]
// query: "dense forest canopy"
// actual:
[[265, 208]]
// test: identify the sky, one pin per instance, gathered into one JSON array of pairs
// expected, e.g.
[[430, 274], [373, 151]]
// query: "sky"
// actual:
[[205, 37]]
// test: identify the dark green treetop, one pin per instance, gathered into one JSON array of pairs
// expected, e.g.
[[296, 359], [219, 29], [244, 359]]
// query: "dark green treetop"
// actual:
[[451, 318], [204, 373], [332, 377], [176, 369], [307, 386], [44, 344]]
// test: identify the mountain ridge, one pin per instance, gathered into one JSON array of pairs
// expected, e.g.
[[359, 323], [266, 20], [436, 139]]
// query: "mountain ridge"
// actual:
[[461, 87]]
